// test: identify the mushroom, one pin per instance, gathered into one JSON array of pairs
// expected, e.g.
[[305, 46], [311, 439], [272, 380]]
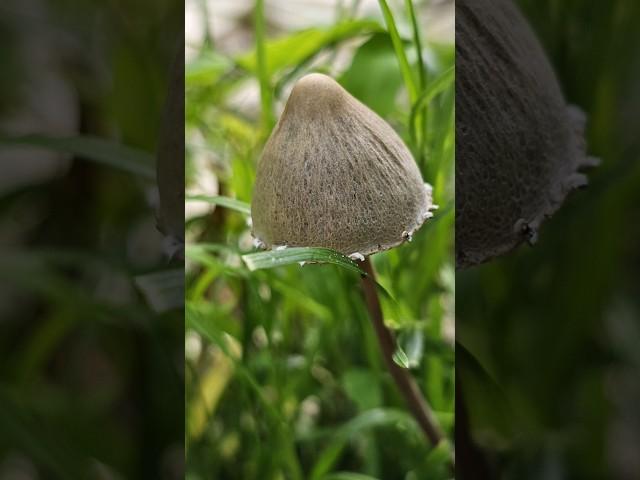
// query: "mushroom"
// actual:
[[170, 161], [334, 174], [519, 147]]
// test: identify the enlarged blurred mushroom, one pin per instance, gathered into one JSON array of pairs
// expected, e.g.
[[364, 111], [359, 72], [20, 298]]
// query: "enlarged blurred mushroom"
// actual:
[[334, 174], [170, 161], [518, 145]]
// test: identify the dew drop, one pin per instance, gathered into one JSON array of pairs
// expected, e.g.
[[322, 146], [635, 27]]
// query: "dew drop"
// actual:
[[357, 256]]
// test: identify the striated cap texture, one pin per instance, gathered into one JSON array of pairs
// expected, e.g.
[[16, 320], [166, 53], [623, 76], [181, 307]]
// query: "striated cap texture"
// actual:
[[334, 174], [518, 145]]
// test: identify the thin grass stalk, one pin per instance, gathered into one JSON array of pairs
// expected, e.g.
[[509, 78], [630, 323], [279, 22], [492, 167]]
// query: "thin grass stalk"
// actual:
[[401, 55], [422, 81], [266, 98]]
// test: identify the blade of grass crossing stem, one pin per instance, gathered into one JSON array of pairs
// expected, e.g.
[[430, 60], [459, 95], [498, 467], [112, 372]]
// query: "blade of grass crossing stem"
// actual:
[[230, 203], [266, 99], [300, 255], [308, 255], [405, 68]]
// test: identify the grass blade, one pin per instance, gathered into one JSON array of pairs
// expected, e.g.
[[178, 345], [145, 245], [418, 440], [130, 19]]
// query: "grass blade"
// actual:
[[99, 150], [398, 46], [439, 84], [300, 255], [266, 94], [230, 203], [418, 43]]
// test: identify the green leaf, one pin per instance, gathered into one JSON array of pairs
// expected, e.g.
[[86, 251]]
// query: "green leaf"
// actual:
[[231, 203], [163, 290], [99, 150], [296, 48], [412, 342], [400, 357], [363, 388], [348, 476], [440, 456], [373, 77], [206, 69], [300, 255], [363, 423]]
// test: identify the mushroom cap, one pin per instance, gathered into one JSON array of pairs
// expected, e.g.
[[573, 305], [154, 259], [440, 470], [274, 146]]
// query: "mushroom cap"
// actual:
[[334, 174], [518, 145]]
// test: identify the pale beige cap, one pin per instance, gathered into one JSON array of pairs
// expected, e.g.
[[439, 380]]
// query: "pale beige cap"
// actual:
[[334, 174]]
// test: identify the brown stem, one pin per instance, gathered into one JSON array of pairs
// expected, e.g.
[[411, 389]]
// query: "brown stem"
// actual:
[[403, 379]]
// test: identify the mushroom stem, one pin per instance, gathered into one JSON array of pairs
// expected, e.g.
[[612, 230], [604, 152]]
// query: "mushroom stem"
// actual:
[[403, 379]]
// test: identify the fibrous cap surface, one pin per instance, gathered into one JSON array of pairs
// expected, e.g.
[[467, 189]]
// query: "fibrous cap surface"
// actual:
[[334, 174], [518, 145]]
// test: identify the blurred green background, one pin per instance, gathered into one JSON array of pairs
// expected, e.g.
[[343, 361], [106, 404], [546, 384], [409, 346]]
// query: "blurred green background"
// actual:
[[553, 331], [284, 379], [91, 352]]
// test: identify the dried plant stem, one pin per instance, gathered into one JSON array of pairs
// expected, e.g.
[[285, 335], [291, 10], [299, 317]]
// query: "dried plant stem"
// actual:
[[403, 379]]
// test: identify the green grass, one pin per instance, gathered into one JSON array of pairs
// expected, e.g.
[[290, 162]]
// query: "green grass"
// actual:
[[284, 361]]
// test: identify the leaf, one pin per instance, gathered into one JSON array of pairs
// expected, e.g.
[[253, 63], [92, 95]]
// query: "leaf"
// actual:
[[412, 342], [347, 476], [300, 255], [364, 422], [292, 50], [99, 150], [377, 417], [206, 69], [363, 388], [231, 203], [162, 290], [490, 409], [440, 456], [400, 357], [373, 77]]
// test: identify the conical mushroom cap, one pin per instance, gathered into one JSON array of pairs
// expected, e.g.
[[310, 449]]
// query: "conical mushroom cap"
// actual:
[[518, 145], [334, 174]]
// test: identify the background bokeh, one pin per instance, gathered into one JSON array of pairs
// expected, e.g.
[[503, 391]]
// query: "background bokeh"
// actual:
[[91, 336], [283, 373], [549, 335]]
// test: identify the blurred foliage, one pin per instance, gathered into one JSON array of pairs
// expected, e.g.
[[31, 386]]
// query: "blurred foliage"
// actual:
[[284, 376], [554, 325], [90, 373]]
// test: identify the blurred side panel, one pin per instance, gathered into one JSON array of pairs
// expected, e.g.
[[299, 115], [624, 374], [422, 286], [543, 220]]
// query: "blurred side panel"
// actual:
[[547, 332], [91, 260]]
